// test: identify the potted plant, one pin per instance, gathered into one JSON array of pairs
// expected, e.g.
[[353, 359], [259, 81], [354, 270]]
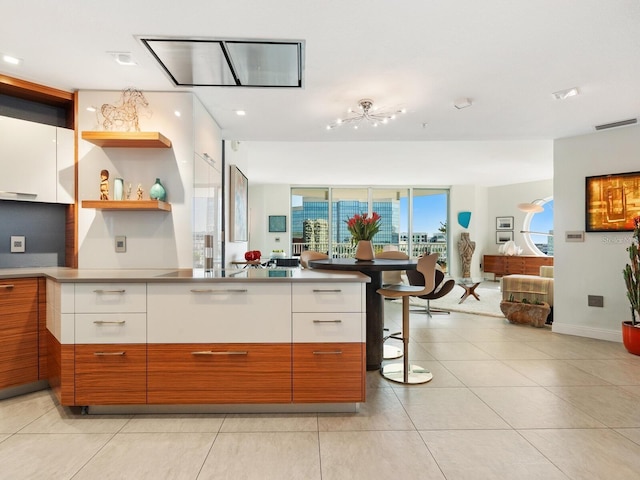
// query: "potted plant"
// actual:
[[631, 272], [525, 311], [363, 228]]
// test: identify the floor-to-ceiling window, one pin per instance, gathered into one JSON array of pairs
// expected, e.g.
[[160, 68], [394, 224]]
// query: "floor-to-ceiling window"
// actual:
[[414, 220]]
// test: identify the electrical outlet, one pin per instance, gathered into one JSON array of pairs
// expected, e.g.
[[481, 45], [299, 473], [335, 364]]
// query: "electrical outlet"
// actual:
[[121, 244], [17, 244]]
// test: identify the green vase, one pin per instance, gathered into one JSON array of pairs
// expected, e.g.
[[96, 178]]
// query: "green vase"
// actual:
[[157, 191]]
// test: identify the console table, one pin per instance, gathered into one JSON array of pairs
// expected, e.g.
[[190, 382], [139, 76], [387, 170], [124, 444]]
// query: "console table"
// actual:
[[501, 265]]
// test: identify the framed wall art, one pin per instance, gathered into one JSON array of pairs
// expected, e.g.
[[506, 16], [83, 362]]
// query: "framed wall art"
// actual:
[[277, 223], [611, 202], [238, 205], [504, 223], [504, 236]]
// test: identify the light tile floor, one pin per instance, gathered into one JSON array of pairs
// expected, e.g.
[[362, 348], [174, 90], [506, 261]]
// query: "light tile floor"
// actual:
[[506, 402]]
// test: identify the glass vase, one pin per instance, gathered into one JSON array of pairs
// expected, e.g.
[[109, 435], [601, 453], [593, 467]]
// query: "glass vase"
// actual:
[[118, 189], [157, 191]]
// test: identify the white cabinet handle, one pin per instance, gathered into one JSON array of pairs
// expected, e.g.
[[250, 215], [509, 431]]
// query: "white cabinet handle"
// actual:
[[109, 291], [6, 286], [109, 322], [6, 194], [210, 290], [337, 352], [209, 352], [327, 321], [317, 290], [109, 354]]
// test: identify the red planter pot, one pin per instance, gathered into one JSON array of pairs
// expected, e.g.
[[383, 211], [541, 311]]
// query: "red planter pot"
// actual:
[[631, 338]]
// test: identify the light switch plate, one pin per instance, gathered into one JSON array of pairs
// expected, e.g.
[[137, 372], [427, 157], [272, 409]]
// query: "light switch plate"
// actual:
[[17, 244], [121, 244]]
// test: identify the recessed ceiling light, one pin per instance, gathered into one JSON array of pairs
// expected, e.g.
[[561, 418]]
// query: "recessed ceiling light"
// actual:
[[123, 58], [462, 102], [562, 94], [241, 113], [177, 113], [11, 60], [91, 109]]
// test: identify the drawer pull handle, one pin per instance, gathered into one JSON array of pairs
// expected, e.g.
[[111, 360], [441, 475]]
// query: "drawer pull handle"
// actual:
[[210, 290], [337, 352], [327, 321], [109, 322], [209, 352], [109, 291], [6, 286], [6, 194], [318, 290], [109, 354]]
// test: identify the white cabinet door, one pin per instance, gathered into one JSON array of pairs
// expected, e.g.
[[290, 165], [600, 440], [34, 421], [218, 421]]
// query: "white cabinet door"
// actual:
[[27, 161], [65, 166], [219, 312]]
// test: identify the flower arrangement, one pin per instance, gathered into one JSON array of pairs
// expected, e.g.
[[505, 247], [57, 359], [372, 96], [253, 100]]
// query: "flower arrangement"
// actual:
[[632, 272], [363, 227]]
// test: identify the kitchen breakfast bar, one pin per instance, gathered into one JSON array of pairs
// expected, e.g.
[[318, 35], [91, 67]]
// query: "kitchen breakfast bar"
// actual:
[[258, 340]]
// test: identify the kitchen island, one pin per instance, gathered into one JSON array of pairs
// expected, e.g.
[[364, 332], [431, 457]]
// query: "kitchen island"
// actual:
[[228, 340]]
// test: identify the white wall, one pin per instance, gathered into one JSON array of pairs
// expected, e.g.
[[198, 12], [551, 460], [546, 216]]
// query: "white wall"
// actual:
[[503, 201], [154, 239], [268, 200], [595, 266], [237, 154], [465, 198]]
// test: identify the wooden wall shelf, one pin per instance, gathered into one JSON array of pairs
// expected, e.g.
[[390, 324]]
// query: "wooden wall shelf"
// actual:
[[131, 205], [127, 139]]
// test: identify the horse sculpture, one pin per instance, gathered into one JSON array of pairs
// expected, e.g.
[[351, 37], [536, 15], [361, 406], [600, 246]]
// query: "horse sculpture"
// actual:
[[124, 117]]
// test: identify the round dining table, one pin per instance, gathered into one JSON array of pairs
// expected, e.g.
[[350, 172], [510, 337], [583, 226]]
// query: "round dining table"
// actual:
[[375, 302]]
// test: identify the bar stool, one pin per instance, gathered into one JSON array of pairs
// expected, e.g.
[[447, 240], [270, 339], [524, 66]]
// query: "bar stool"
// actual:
[[404, 372], [389, 352]]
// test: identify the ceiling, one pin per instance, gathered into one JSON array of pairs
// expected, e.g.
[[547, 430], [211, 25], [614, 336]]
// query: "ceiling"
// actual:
[[506, 56]]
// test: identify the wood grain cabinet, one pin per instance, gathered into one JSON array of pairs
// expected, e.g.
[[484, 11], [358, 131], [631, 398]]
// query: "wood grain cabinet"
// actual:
[[18, 331], [219, 373], [111, 373], [501, 265]]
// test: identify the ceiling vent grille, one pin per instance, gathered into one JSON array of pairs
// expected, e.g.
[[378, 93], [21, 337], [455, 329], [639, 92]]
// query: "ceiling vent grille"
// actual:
[[621, 123]]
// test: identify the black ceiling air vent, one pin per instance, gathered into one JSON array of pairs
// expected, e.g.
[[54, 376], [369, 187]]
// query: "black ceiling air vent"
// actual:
[[621, 123], [202, 62]]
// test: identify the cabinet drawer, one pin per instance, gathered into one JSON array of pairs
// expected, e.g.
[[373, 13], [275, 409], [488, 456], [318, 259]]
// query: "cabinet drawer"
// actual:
[[327, 297], [111, 328], [107, 374], [328, 372], [18, 295], [328, 327], [111, 297], [214, 373], [220, 313]]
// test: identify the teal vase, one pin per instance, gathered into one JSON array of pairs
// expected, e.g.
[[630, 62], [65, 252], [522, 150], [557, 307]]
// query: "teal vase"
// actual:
[[157, 191]]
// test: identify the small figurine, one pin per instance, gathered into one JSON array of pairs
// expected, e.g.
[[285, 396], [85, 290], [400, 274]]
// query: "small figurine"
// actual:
[[139, 191], [104, 185], [129, 192]]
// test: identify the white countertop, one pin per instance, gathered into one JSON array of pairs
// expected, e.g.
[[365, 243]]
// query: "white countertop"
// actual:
[[64, 275]]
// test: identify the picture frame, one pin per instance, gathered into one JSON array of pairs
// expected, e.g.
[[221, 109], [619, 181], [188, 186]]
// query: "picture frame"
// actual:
[[277, 223], [504, 236], [606, 207], [238, 205], [504, 223]]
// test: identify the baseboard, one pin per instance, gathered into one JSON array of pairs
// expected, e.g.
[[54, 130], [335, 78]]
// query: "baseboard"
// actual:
[[590, 332]]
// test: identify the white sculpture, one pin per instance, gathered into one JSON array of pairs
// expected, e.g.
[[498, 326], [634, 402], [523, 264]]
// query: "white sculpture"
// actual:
[[510, 248]]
